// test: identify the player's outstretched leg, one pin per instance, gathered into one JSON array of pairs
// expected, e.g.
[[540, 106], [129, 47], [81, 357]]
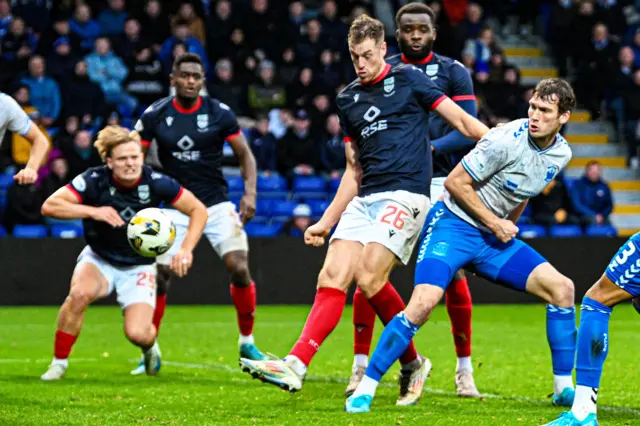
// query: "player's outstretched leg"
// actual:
[[87, 285], [364, 318], [334, 279], [140, 330], [394, 341], [163, 282], [243, 294], [459, 308], [593, 346]]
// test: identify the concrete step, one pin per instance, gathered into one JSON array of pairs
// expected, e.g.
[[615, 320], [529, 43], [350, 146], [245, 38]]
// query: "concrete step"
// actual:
[[627, 232], [539, 72], [608, 173], [530, 61], [518, 41], [626, 198], [620, 209], [580, 116], [594, 127], [604, 161], [523, 50], [530, 81], [597, 150], [587, 138], [625, 221], [625, 185]]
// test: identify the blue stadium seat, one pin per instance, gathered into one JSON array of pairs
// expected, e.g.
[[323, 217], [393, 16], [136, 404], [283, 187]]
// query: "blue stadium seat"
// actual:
[[127, 123], [6, 180], [334, 184], [66, 231], [264, 207], [527, 212], [236, 184], [30, 231], [3, 232], [271, 184], [125, 111], [318, 207], [261, 230], [309, 188], [283, 209], [260, 219], [532, 231], [601, 231], [565, 231]]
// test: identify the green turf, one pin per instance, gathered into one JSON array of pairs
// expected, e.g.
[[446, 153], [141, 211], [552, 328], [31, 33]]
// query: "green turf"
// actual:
[[200, 383]]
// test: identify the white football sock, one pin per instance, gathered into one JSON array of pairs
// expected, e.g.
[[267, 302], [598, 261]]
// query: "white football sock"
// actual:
[[296, 365], [367, 386], [361, 360], [246, 340], [560, 383], [61, 361], [585, 402], [464, 364]]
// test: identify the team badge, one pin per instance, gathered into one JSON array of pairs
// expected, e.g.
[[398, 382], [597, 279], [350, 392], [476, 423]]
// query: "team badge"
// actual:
[[169, 121], [202, 121], [389, 84], [551, 173], [143, 193], [431, 70]]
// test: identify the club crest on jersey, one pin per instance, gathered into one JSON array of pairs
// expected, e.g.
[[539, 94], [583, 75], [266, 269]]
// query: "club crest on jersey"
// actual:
[[169, 121], [203, 121], [143, 193], [389, 85], [551, 173], [431, 70]]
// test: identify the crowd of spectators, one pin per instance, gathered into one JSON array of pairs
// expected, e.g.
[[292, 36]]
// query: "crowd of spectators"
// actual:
[[77, 65]]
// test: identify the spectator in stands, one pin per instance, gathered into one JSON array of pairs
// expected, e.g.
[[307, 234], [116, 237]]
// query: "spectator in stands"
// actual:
[[327, 74], [332, 147], [67, 134], [293, 24], [109, 72], [632, 114], [5, 17], [263, 145], [553, 205], [266, 93], [59, 29], [260, 27], [582, 31], [288, 67], [635, 45], [62, 61], [506, 97], [300, 221], [312, 44], [223, 86], [182, 34], [23, 206], [610, 13], [319, 112], [81, 154], [187, 14], [127, 43], [474, 22], [82, 97], [297, 150], [620, 86], [45, 93], [477, 53], [222, 25], [17, 46], [301, 91], [112, 19], [333, 29], [20, 146], [591, 196], [561, 34], [84, 27], [58, 177], [146, 80], [155, 24]]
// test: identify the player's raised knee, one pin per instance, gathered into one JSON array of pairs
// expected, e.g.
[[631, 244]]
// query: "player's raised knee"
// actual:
[[370, 277], [333, 275], [562, 291], [140, 335], [80, 297]]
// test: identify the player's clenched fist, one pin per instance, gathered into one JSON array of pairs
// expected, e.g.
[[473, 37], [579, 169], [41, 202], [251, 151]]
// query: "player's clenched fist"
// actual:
[[505, 230], [26, 176], [315, 234], [108, 215]]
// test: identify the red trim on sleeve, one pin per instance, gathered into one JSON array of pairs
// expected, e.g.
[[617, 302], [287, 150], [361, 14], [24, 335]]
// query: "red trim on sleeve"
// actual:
[[422, 61], [464, 98], [177, 197], [437, 103], [183, 110], [76, 193], [144, 143], [235, 135], [347, 139]]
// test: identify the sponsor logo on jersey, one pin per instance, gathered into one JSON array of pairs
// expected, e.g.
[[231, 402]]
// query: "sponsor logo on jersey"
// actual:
[[185, 143]]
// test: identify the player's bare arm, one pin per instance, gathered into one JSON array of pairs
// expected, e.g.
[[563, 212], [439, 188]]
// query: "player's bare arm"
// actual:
[[460, 185], [514, 216], [463, 122], [64, 204], [39, 149], [189, 205], [249, 175], [348, 189]]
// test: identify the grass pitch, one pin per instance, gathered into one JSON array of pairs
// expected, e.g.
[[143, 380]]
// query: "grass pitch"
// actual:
[[201, 383]]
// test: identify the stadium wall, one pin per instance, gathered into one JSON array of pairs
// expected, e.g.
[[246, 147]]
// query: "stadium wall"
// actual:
[[38, 271]]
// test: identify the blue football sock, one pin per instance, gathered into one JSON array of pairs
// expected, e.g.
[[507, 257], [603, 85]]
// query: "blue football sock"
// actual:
[[561, 335], [593, 342], [393, 342]]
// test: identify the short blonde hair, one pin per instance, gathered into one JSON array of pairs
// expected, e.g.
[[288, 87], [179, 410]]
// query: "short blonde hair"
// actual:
[[365, 27], [112, 136]]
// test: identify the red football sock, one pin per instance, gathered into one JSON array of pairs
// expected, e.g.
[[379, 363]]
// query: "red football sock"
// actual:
[[323, 318], [244, 299], [364, 318], [387, 304], [161, 303], [458, 300], [62, 345]]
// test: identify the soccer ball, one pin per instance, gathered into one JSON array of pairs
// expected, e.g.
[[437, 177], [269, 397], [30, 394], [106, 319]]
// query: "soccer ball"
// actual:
[[151, 232]]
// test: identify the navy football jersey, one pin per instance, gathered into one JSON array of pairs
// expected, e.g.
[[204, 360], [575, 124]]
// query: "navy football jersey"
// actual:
[[389, 121], [97, 188], [455, 81], [190, 143]]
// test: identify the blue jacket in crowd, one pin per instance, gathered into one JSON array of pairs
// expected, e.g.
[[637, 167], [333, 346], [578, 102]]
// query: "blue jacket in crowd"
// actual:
[[45, 95], [591, 198]]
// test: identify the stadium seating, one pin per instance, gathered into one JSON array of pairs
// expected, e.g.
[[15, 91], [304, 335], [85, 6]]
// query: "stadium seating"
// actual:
[[67, 231], [532, 231], [272, 187], [3, 232], [5, 181], [236, 186], [565, 231], [601, 231], [318, 207], [30, 231], [309, 188], [334, 184], [283, 209], [262, 230]]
